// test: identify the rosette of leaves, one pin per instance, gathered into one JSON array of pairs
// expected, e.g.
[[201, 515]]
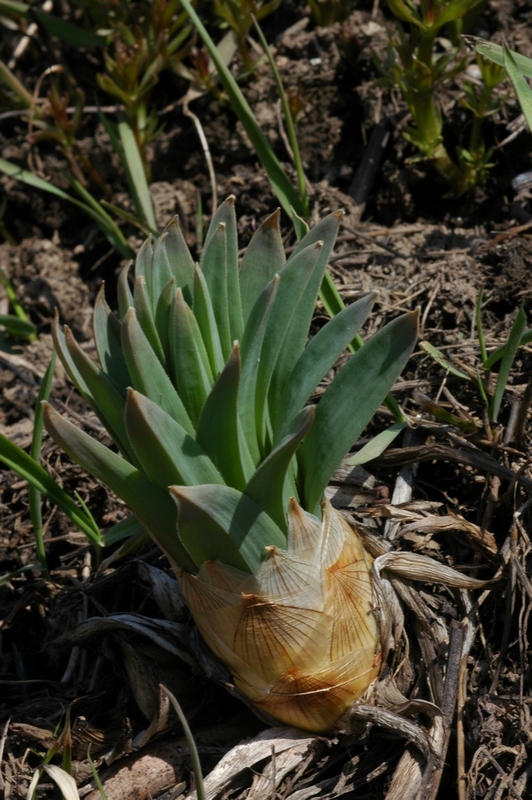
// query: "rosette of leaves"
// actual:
[[204, 384]]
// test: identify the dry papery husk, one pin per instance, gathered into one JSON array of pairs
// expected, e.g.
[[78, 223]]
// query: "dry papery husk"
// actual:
[[424, 641]]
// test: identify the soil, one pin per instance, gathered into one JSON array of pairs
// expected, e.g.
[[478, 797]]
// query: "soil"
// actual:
[[419, 248]]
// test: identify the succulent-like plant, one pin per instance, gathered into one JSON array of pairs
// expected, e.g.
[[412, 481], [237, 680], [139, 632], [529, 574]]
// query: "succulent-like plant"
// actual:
[[204, 384]]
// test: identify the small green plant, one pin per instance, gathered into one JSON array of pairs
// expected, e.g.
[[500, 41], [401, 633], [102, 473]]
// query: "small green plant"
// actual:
[[327, 12], [424, 54], [239, 16], [16, 324], [203, 384], [491, 391]]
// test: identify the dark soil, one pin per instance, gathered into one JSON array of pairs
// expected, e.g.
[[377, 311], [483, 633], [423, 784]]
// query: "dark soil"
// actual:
[[419, 248]]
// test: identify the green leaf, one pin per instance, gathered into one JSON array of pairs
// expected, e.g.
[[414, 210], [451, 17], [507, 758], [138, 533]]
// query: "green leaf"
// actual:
[[25, 466], [318, 358], [147, 373], [219, 432], [522, 89], [323, 235], [213, 264], [179, 259], [506, 364], [124, 294], [350, 402], [107, 402], [219, 523], [146, 319], [166, 452], [107, 338], [279, 180], [70, 34], [494, 52], [34, 495], [189, 361], [252, 342], [161, 270], [283, 318], [68, 362], [268, 485], [440, 359], [204, 313], [225, 215], [264, 257], [376, 446], [136, 175], [18, 327], [97, 213], [152, 506]]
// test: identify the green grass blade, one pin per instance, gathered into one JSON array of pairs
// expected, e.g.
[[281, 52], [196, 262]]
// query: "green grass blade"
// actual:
[[108, 226], [25, 466], [497, 354], [350, 402], [376, 446], [494, 52], [219, 523], [288, 197], [194, 755], [480, 330], [440, 359], [511, 348], [136, 176], [34, 495], [20, 328], [289, 122]]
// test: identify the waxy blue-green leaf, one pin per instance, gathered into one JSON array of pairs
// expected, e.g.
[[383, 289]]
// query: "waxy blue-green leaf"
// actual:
[[322, 235], [147, 373], [219, 523], [350, 401], [179, 258], [151, 505], [189, 362], [213, 264], [107, 339], [318, 358], [163, 314], [251, 349], [283, 316], [161, 269], [124, 293], [269, 486], [219, 431], [67, 361], [204, 313], [264, 257], [144, 262], [166, 453], [108, 401], [146, 318], [225, 215]]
